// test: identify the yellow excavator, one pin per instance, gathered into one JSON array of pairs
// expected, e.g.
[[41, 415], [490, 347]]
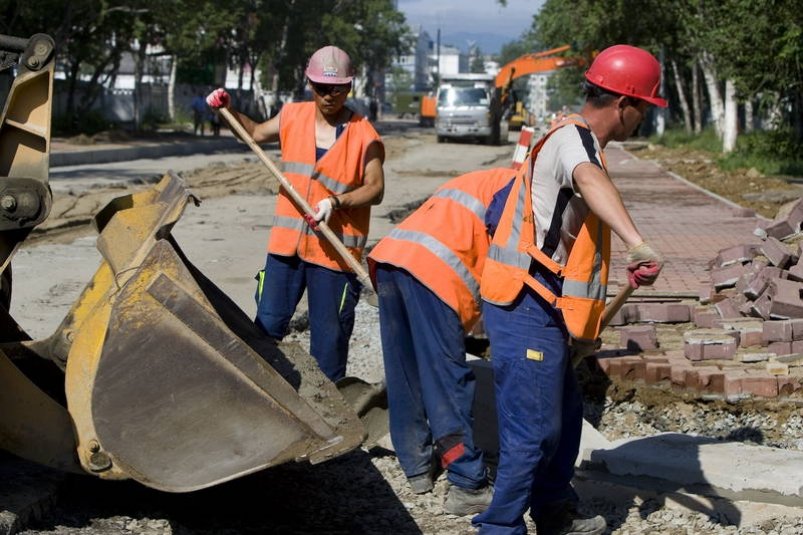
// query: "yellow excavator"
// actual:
[[154, 374]]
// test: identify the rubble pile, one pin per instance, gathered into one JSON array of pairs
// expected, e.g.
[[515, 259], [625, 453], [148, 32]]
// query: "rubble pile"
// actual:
[[744, 335]]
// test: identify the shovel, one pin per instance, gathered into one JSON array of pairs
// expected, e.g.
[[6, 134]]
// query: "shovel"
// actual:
[[341, 249]]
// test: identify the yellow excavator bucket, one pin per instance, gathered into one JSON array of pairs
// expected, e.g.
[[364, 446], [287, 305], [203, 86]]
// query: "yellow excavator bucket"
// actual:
[[154, 374]]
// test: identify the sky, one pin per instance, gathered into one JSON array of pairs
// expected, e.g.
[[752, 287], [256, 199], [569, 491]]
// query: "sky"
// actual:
[[483, 21]]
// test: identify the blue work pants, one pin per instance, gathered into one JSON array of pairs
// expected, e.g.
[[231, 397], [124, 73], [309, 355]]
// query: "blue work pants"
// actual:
[[539, 408], [430, 386], [331, 297]]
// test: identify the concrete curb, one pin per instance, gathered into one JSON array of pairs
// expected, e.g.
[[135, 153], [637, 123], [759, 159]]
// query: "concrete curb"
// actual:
[[676, 462], [94, 155]]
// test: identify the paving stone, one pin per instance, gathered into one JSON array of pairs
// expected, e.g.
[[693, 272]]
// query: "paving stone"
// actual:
[[706, 293], [796, 272], [655, 372], [760, 384], [783, 330], [777, 253], [705, 317], [751, 330], [705, 344], [663, 312], [740, 254], [758, 284], [760, 308], [638, 337], [780, 348], [677, 374], [728, 309], [732, 382], [708, 379], [726, 277], [787, 299], [778, 229]]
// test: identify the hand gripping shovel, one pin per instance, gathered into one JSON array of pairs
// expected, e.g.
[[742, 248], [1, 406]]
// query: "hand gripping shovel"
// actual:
[[341, 249]]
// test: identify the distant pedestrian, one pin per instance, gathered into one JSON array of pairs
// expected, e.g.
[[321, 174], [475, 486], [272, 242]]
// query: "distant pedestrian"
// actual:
[[373, 110], [332, 156], [427, 273], [214, 123], [199, 113]]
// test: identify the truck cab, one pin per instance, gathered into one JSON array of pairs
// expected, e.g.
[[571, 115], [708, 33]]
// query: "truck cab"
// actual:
[[468, 107]]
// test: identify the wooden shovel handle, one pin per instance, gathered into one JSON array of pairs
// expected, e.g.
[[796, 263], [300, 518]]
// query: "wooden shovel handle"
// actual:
[[341, 249]]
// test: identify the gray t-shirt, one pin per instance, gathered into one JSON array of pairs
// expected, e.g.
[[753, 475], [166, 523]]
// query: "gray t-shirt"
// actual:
[[559, 210]]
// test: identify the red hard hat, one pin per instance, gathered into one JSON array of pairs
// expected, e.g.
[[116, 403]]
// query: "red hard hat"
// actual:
[[329, 65], [627, 70]]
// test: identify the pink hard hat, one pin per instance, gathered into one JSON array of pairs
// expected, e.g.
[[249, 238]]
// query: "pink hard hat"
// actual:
[[329, 65], [628, 70]]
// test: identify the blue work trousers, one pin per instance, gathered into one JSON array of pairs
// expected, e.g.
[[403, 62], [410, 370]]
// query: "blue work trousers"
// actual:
[[539, 408], [430, 386], [331, 297]]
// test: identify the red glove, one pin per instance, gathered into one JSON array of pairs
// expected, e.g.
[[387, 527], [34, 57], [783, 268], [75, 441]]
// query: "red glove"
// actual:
[[643, 274], [218, 98], [313, 224]]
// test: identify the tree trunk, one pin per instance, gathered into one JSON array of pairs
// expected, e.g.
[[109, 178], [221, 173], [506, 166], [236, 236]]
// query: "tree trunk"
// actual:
[[714, 94], [749, 115], [774, 113], [730, 124], [684, 104], [697, 100], [171, 89]]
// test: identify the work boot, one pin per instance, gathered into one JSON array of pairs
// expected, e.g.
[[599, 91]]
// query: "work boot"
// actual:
[[462, 502], [565, 520], [422, 483]]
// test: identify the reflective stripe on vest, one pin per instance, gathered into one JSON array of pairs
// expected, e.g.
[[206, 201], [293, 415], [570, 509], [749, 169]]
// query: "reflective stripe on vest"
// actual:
[[301, 225], [309, 170], [443, 252], [470, 202]]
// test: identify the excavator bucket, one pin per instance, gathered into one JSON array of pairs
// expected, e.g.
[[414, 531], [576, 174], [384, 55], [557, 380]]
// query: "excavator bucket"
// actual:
[[155, 374], [168, 382]]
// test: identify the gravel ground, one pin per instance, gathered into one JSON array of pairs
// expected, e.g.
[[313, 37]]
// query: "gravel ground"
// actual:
[[366, 492]]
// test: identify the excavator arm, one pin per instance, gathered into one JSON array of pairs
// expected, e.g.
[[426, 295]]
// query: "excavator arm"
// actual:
[[546, 60], [154, 374]]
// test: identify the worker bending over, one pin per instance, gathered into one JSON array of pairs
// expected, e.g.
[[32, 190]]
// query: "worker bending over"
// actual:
[[333, 157], [427, 273], [544, 287]]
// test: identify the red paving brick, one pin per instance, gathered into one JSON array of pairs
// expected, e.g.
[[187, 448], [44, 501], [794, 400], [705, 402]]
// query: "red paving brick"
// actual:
[[687, 226]]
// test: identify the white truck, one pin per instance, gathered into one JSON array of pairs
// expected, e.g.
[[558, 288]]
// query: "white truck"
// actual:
[[468, 106]]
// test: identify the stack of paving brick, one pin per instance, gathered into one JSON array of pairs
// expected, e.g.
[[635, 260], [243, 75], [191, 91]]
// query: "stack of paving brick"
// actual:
[[747, 336]]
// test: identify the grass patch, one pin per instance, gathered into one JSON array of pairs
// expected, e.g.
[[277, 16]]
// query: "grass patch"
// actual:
[[772, 153]]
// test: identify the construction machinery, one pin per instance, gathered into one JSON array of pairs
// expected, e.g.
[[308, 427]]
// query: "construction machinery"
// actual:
[[527, 64], [154, 374], [481, 106]]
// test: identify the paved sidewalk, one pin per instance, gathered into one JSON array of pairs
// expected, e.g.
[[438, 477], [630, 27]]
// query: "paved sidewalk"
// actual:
[[688, 226]]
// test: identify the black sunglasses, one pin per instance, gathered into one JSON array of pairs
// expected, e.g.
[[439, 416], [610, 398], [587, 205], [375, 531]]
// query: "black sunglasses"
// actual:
[[330, 89]]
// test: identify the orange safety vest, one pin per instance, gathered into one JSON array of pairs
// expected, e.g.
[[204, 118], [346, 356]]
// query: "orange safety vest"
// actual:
[[443, 244], [585, 275], [340, 170]]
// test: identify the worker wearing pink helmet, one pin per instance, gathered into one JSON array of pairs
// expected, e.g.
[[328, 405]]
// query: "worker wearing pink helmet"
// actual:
[[544, 286], [334, 157]]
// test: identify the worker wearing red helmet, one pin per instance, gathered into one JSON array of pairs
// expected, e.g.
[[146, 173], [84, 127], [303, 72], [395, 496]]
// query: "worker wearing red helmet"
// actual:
[[544, 287], [333, 157]]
